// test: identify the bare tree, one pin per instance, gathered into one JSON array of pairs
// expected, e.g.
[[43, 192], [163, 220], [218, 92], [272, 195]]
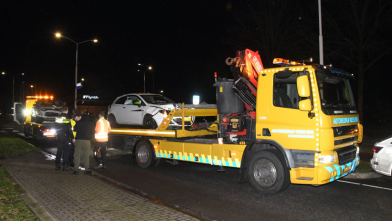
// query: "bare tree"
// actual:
[[358, 32], [268, 27]]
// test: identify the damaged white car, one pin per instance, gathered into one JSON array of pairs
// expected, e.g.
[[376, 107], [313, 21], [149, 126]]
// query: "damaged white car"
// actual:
[[146, 110], [382, 157]]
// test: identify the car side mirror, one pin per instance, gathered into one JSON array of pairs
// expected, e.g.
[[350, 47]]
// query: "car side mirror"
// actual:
[[139, 105]]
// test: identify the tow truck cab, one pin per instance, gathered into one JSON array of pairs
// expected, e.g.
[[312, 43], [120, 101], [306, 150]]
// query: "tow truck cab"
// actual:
[[38, 116]]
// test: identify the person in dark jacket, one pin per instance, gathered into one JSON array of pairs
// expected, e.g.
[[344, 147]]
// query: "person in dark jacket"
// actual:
[[64, 139], [84, 129]]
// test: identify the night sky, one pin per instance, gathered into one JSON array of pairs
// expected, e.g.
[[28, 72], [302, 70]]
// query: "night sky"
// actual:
[[184, 41]]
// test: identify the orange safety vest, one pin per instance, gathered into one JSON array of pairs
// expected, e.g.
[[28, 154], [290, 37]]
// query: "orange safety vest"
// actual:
[[102, 128]]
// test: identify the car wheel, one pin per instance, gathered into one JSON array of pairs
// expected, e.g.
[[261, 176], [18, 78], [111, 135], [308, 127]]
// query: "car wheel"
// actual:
[[149, 122], [267, 173], [144, 154], [112, 121]]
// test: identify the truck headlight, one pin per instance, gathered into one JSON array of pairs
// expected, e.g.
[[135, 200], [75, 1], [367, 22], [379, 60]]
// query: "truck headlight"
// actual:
[[26, 112], [327, 158]]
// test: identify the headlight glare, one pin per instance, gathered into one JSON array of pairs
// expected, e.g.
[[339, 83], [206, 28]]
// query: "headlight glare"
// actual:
[[327, 158], [26, 112]]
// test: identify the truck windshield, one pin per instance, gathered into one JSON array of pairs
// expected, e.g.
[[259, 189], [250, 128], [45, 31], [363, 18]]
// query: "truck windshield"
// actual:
[[335, 93]]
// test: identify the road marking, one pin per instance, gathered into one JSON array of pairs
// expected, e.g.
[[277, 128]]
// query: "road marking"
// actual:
[[361, 184]]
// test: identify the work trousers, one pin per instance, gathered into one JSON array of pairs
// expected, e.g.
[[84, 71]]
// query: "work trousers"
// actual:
[[82, 147], [63, 147], [100, 149], [71, 154]]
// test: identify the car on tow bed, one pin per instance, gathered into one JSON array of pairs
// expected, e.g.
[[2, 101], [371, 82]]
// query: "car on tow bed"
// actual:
[[143, 109]]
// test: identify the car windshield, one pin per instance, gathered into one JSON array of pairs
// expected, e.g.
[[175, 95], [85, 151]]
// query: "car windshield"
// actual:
[[335, 91], [156, 99], [51, 102]]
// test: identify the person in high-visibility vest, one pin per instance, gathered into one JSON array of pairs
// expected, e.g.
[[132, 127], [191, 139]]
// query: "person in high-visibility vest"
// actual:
[[64, 139], [102, 129]]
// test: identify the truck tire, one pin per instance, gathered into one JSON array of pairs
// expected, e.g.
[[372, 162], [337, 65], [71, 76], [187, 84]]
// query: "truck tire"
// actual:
[[266, 172], [149, 122], [25, 131], [144, 154], [112, 121]]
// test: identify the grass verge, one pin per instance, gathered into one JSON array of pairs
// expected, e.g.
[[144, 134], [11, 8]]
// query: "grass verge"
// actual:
[[12, 207], [12, 146], [364, 167]]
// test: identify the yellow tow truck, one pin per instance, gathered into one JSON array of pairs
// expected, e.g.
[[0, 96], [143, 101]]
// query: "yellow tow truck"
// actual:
[[293, 124], [38, 116]]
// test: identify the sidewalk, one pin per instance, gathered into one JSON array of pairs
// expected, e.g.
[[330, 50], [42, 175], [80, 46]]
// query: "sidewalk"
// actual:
[[58, 195]]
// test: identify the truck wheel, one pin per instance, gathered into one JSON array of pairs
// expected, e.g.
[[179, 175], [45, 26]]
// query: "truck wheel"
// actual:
[[149, 122], [25, 131], [112, 121], [267, 174], [144, 154]]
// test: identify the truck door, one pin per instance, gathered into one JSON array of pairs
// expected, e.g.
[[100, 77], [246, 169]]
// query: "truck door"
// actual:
[[280, 118], [19, 116]]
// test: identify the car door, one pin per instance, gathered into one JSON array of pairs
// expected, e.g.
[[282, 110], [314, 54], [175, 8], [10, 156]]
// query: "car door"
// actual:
[[134, 110], [19, 116], [118, 109]]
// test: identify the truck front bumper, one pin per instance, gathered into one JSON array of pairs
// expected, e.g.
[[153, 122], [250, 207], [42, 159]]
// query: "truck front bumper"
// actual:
[[322, 174]]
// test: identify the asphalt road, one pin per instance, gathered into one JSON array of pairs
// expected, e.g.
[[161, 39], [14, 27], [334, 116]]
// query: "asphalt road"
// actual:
[[218, 195]]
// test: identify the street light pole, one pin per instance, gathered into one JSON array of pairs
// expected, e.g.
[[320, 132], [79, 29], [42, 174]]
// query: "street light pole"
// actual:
[[13, 86], [58, 35], [149, 68], [76, 77]]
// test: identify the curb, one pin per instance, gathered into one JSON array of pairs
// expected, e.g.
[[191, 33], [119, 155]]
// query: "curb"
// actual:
[[370, 175]]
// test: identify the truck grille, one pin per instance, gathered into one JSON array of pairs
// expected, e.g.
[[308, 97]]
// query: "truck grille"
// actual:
[[343, 130], [346, 154]]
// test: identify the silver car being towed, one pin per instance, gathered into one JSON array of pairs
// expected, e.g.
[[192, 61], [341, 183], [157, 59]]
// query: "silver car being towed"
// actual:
[[146, 110]]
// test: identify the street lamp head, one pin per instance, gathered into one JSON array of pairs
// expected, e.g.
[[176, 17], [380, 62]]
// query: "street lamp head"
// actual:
[[149, 68], [31, 86], [139, 64], [3, 73], [82, 79], [95, 40], [58, 35]]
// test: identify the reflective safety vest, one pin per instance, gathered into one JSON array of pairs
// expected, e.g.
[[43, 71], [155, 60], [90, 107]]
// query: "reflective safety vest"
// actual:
[[73, 123], [62, 120], [102, 128]]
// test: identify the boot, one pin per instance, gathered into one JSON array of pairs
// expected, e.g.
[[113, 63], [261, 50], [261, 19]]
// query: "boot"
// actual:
[[58, 167], [66, 168]]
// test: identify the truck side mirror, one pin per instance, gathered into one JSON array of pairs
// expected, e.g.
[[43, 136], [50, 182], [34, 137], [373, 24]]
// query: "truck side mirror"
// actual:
[[305, 105], [303, 86]]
